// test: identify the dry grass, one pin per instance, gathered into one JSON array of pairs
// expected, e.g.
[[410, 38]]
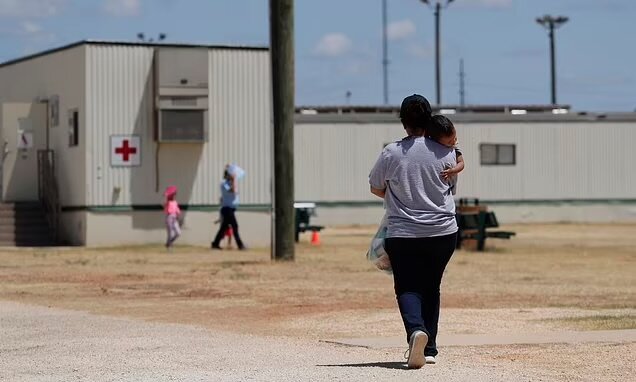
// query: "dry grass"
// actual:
[[563, 266], [599, 322]]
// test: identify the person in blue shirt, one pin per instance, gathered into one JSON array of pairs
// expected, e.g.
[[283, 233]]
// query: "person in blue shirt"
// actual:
[[229, 203]]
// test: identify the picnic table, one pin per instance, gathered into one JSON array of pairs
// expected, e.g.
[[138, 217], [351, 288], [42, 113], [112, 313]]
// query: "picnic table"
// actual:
[[304, 212], [475, 222]]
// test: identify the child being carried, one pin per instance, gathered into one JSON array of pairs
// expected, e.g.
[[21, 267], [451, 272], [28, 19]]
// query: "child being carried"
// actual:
[[443, 132]]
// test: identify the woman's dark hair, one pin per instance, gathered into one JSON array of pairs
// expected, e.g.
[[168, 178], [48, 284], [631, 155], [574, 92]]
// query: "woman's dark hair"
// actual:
[[415, 117], [441, 127], [415, 112]]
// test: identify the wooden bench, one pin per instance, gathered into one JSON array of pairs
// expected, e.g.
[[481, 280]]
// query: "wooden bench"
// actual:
[[474, 222], [304, 212]]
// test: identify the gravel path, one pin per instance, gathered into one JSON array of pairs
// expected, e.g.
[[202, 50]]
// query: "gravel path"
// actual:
[[45, 344], [555, 337]]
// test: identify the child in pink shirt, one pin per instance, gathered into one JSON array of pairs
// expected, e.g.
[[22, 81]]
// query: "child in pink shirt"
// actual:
[[173, 212]]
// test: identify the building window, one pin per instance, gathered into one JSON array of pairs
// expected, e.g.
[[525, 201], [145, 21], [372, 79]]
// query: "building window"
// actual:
[[497, 154], [73, 127], [182, 126]]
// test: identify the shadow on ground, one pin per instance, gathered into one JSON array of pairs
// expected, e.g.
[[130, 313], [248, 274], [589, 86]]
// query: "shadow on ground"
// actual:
[[384, 365]]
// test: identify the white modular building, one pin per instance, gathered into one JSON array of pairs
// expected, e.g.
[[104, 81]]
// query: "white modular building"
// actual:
[[95, 131], [116, 123], [543, 165]]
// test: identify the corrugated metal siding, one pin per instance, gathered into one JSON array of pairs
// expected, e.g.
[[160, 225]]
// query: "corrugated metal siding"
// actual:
[[119, 102], [62, 74], [120, 93], [240, 122], [586, 160], [498, 182], [332, 161]]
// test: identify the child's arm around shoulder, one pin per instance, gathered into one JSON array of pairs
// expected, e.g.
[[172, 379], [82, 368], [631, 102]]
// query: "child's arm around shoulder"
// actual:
[[459, 167], [460, 161]]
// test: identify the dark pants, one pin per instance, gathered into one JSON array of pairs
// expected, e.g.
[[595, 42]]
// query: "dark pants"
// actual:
[[418, 265], [228, 220]]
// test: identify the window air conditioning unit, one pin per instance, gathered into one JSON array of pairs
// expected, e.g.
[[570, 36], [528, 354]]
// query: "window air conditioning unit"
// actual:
[[182, 95]]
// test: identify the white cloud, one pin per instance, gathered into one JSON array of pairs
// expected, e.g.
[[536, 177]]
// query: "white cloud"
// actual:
[[400, 30], [122, 7], [421, 51], [355, 68], [30, 8], [487, 3], [333, 45], [32, 35], [29, 33], [31, 28]]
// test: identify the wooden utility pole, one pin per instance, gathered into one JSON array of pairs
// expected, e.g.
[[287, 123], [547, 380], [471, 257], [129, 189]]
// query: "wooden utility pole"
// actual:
[[282, 58]]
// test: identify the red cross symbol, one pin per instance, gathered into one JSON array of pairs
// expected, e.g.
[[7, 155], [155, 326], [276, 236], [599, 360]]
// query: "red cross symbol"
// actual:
[[125, 150]]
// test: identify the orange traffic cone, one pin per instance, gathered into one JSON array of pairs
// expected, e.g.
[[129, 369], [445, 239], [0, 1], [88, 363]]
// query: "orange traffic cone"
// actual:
[[315, 238]]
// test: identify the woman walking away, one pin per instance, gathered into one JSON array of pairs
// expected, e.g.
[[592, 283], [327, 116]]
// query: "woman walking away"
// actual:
[[422, 231], [173, 213]]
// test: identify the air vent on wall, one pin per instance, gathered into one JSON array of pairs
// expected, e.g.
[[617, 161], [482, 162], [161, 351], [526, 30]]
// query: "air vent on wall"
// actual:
[[182, 94]]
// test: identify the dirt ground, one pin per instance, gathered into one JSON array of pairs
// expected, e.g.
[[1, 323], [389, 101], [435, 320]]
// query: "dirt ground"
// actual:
[[548, 277]]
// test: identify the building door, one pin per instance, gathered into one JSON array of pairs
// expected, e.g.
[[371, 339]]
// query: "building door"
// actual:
[[23, 133]]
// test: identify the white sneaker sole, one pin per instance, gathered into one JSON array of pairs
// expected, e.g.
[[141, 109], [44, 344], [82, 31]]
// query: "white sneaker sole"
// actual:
[[416, 353]]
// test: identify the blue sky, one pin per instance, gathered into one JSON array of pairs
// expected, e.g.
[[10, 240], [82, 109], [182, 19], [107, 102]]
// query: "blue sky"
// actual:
[[338, 44]]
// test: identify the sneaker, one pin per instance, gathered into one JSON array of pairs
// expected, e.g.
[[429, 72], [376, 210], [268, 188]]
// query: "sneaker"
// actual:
[[213, 246], [417, 343], [430, 359]]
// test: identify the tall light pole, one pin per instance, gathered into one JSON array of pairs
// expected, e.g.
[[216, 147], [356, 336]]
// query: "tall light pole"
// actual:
[[438, 71], [552, 23], [385, 53], [462, 85]]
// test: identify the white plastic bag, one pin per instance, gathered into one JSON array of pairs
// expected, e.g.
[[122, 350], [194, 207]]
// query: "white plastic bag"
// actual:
[[236, 171], [376, 253]]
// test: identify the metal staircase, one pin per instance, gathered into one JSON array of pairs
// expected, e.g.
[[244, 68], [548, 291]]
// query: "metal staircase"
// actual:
[[24, 225]]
